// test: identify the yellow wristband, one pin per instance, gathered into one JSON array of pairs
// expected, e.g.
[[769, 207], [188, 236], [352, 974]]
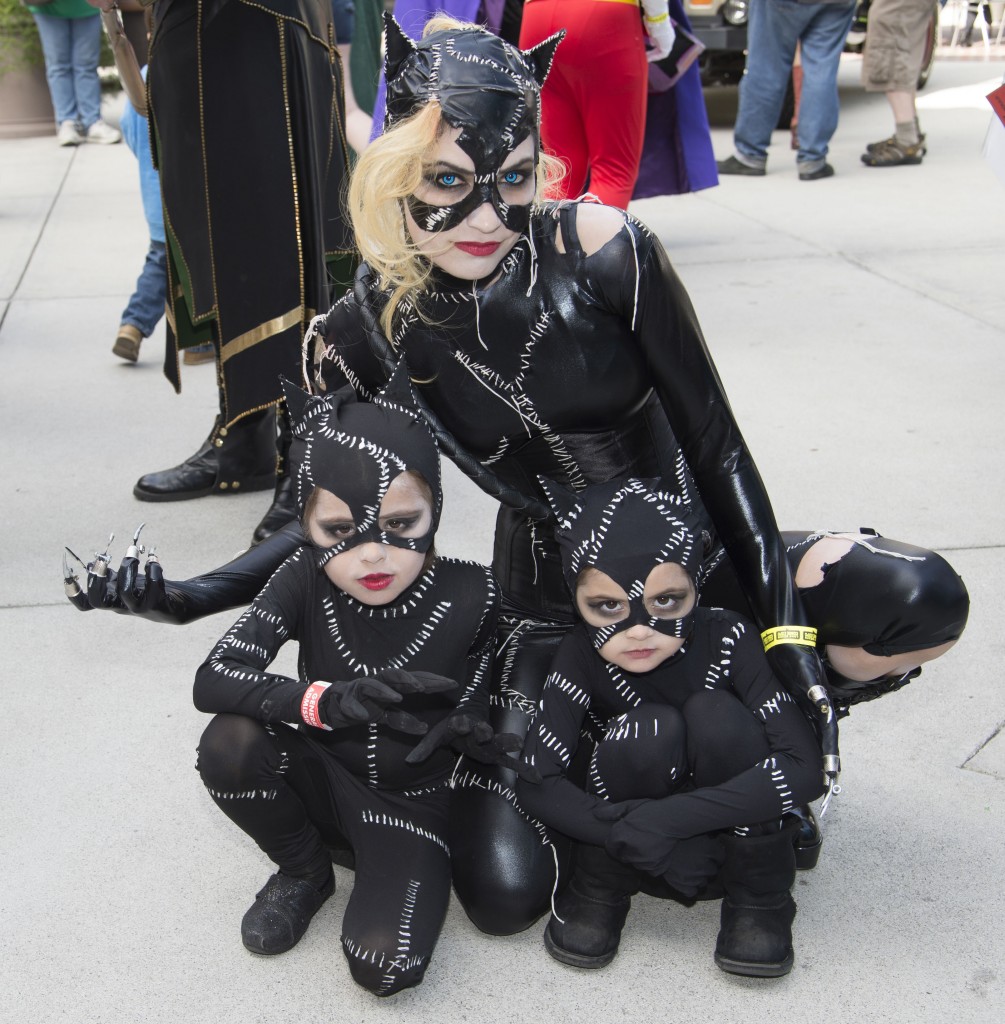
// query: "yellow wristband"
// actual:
[[659, 17], [803, 636]]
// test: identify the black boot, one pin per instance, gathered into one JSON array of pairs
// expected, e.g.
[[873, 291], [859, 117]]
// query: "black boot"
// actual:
[[278, 918], [592, 908], [232, 460], [808, 838], [283, 509], [755, 932]]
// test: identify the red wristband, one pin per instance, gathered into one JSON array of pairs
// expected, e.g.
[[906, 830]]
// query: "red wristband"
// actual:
[[309, 705]]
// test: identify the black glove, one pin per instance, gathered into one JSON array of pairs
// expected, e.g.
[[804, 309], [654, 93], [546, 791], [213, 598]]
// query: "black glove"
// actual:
[[638, 837], [368, 699], [475, 738]]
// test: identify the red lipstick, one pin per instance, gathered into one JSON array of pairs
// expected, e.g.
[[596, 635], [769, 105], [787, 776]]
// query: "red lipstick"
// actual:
[[477, 248], [376, 581], [641, 654]]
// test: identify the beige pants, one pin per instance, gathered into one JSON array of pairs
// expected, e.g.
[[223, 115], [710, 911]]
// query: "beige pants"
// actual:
[[895, 44]]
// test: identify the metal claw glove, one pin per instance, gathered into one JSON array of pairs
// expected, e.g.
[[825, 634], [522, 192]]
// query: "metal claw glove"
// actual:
[[473, 737], [659, 28]]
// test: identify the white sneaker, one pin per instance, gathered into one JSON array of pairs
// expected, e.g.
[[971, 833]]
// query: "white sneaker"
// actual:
[[103, 133], [69, 134]]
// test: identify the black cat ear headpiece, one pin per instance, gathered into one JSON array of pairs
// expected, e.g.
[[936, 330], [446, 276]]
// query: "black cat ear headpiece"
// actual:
[[624, 529], [356, 449], [487, 88]]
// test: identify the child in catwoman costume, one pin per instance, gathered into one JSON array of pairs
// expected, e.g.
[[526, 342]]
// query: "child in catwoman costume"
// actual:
[[393, 642], [555, 340], [700, 750]]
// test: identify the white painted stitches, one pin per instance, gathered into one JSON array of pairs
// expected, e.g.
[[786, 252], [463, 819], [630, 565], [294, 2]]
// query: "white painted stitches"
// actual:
[[374, 818], [780, 783], [403, 960], [470, 780], [424, 632], [717, 675], [243, 794], [573, 693]]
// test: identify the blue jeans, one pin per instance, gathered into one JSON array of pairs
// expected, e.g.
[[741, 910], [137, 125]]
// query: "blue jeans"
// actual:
[[71, 47], [146, 306], [774, 28]]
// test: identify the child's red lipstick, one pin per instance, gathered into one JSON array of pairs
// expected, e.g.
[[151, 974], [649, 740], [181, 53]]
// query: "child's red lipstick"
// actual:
[[376, 581]]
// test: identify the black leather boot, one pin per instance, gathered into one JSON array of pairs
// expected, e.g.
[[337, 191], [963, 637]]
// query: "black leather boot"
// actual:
[[232, 460], [755, 931], [283, 509], [808, 838], [585, 930]]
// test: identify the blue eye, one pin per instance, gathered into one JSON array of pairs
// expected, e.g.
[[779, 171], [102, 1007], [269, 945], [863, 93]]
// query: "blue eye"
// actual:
[[512, 178], [446, 180]]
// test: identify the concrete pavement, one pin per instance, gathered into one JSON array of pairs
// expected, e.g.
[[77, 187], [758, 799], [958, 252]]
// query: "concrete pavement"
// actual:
[[858, 323]]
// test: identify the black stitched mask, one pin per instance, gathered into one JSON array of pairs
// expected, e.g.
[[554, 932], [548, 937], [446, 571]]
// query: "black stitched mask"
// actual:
[[625, 528], [488, 89], [355, 450]]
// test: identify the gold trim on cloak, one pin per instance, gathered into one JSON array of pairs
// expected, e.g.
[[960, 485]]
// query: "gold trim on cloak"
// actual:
[[276, 325]]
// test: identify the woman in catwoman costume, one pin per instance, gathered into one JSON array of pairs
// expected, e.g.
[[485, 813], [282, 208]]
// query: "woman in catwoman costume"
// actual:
[[556, 340]]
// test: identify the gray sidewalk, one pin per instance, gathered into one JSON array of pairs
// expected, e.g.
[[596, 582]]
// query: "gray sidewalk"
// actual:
[[858, 324]]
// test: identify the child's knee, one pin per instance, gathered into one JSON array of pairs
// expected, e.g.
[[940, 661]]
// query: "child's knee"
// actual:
[[382, 972], [231, 752]]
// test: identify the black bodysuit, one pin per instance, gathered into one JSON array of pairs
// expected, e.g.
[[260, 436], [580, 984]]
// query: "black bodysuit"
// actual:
[[679, 769], [299, 792]]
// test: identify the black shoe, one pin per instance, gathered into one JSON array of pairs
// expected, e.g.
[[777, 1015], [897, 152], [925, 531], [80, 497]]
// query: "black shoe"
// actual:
[[283, 509], [589, 932], [808, 838], [736, 166], [232, 460], [755, 931], [278, 918], [826, 171]]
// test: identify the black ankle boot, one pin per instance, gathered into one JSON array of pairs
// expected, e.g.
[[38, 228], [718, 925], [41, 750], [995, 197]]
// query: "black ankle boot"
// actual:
[[232, 460], [283, 509], [755, 932], [593, 909], [278, 918], [808, 838]]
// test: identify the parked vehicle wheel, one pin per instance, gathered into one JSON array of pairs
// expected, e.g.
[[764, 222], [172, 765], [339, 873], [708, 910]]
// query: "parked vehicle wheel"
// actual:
[[931, 44]]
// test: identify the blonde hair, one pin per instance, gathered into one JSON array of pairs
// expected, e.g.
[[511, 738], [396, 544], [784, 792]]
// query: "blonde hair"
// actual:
[[392, 168]]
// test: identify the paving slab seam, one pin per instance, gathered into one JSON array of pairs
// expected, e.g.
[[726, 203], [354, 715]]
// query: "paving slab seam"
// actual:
[[35, 244]]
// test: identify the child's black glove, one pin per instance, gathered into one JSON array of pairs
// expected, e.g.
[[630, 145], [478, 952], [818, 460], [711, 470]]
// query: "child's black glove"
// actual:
[[638, 837], [475, 738], [368, 699]]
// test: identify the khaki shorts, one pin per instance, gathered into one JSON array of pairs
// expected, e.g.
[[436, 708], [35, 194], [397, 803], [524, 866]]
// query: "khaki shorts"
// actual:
[[895, 44]]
